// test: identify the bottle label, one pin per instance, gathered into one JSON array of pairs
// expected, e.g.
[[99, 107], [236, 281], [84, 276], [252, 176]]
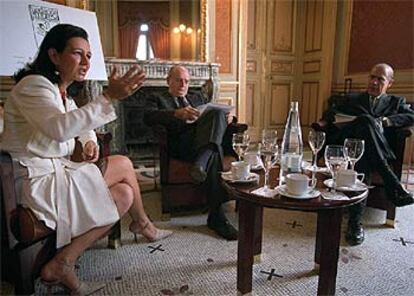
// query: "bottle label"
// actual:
[[291, 162], [294, 162]]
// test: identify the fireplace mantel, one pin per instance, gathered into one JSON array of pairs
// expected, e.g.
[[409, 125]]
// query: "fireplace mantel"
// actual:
[[204, 77]]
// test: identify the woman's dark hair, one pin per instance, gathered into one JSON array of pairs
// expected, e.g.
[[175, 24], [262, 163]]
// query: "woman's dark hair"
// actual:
[[56, 38]]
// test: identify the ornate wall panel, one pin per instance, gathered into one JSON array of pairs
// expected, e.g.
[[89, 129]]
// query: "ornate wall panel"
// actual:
[[314, 28], [281, 67], [251, 66], [279, 105], [283, 13], [223, 35], [228, 95], [314, 87], [311, 67], [251, 24], [250, 108], [309, 102]]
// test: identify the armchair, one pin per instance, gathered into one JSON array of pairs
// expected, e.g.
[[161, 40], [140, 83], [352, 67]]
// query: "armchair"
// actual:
[[177, 189], [377, 195], [26, 243]]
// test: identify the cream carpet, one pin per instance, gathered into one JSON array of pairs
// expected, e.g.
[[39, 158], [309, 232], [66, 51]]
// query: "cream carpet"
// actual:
[[194, 261]]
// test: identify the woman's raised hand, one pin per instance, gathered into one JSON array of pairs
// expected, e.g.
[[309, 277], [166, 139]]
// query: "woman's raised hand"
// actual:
[[121, 87]]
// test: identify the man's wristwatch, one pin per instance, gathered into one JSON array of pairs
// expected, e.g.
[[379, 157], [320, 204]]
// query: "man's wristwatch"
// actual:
[[386, 122]]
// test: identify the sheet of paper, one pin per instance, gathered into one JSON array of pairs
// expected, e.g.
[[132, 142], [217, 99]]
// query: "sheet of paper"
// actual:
[[343, 118], [209, 106]]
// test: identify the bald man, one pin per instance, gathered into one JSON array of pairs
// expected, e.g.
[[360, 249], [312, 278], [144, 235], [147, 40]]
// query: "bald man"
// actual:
[[377, 114], [194, 138]]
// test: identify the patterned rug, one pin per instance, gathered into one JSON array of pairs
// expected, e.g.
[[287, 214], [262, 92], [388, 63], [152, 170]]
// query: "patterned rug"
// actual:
[[195, 261]]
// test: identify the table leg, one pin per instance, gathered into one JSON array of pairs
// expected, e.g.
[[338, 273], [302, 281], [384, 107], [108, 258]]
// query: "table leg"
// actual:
[[328, 236], [250, 236]]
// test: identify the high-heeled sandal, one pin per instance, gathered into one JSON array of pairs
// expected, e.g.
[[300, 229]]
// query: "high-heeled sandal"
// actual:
[[159, 235], [84, 288]]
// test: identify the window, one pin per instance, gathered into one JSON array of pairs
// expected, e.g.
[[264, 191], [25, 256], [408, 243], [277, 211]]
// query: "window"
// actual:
[[144, 48]]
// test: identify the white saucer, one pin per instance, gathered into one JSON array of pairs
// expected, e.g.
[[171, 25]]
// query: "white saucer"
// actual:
[[359, 186], [307, 166], [311, 194], [257, 167], [227, 176]]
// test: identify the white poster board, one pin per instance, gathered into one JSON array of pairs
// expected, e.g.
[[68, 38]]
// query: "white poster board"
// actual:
[[24, 23]]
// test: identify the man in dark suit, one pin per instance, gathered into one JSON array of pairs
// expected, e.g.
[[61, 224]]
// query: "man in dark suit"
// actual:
[[194, 138], [377, 114]]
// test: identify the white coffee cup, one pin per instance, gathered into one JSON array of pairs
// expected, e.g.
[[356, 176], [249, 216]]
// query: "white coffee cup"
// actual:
[[240, 170], [252, 158], [348, 178], [299, 184]]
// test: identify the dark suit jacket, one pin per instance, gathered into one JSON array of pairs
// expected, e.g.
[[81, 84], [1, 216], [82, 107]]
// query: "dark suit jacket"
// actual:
[[160, 110], [393, 107]]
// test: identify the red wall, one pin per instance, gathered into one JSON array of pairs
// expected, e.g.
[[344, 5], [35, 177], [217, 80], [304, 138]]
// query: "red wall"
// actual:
[[382, 31]]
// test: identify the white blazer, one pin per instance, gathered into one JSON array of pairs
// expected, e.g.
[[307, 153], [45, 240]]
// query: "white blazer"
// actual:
[[39, 132]]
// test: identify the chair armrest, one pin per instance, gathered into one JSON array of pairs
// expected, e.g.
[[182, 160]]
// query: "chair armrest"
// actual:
[[319, 125], [21, 224], [234, 128], [406, 131], [401, 134], [104, 148], [162, 134], [104, 140]]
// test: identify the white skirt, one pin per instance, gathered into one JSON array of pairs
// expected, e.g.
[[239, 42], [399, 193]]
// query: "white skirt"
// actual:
[[71, 198]]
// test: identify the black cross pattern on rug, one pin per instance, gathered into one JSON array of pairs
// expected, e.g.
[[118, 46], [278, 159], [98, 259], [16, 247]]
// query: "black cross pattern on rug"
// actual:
[[294, 224], [403, 241], [271, 274], [157, 248]]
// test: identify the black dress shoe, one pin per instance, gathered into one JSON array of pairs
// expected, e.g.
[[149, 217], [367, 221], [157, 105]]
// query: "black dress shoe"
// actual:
[[401, 197], [223, 228], [198, 174], [355, 234]]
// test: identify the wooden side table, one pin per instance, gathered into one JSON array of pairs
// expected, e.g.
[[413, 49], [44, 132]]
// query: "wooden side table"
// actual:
[[328, 233]]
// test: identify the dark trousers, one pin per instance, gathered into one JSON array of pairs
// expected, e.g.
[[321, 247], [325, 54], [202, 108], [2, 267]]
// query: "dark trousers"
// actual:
[[376, 155], [207, 131]]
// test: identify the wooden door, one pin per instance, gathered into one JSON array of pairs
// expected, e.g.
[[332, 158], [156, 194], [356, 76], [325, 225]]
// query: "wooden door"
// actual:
[[289, 57]]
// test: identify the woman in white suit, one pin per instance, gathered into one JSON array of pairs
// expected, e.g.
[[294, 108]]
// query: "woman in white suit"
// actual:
[[79, 200]]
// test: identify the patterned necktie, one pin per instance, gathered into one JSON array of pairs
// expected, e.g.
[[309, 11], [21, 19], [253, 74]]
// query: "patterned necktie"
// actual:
[[373, 101], [182, 102]]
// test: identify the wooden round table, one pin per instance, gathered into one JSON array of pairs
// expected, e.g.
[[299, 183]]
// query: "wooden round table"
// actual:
[[328, 233]]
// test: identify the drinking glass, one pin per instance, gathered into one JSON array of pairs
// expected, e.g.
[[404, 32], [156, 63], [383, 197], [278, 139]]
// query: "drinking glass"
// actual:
[[354, 150], [335, 160], [268, 153], [316, 140], [240, 143], [269, 136]]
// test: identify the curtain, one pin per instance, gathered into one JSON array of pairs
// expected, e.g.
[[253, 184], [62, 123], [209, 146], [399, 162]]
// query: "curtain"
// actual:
[[159, 38], [128, 40]]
